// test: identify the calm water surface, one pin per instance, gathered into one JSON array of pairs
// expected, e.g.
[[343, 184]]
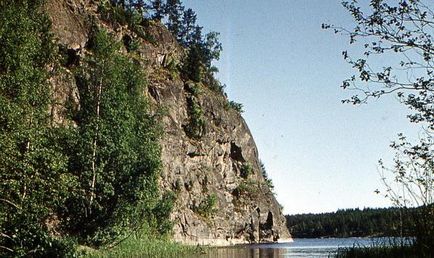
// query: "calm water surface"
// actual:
[[299, 248]]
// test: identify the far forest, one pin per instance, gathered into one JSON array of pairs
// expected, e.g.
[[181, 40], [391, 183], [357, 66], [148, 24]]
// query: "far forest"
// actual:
[[368, 222]]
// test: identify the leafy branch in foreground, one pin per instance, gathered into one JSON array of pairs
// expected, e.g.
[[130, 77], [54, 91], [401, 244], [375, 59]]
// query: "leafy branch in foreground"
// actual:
[[400, 34], [413, 168], [412, 185]]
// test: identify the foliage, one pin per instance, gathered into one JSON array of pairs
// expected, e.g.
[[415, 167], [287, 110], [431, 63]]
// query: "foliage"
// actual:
[[197, 66], [201, 49], [174, 10], [236, 106], [249, 188], [128, 13], [193, 67], [161, 212], [246, 170], [196, 126], [158, 8], [188, 26], [116, 12], [413, 173], [412, 184], [208, 206], [386, 251], [116, 155], [354, 223], [93, 183], [141, 244], [131, 44], [400, 32], [268, 180], [33, 176], [214, 84]]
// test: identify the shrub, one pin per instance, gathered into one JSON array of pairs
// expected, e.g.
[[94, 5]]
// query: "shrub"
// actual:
[[249, 188], [235, 106], [246, 170], [125, 16], [131, 44], [268, 181], [196, 126], [208, 206], [269, 184]]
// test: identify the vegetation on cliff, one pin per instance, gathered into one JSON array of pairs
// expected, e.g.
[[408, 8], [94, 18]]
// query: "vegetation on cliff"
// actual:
[[201, 49], [91, 180]]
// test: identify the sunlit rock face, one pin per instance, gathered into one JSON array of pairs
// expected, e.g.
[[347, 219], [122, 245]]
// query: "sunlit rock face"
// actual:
[[218, 202]]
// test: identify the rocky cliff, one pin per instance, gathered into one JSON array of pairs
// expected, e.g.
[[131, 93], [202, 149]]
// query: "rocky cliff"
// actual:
[[222, 197]]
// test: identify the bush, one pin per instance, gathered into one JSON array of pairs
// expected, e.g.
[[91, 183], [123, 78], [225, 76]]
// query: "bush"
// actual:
[[131, 44], [246, 170], [125, 16], [208, 206], [196, 126], [269, 184], [235, 106], [248, 188], [268, 181]]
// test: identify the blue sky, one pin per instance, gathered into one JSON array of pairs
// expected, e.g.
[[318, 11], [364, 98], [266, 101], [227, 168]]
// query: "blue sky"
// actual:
[[277, 61]]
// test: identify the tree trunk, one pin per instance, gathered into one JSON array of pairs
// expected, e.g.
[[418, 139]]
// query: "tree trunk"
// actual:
[[95, 145]]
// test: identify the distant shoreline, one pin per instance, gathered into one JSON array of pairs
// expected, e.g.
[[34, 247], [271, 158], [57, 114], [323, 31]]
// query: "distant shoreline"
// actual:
[[369, 222]]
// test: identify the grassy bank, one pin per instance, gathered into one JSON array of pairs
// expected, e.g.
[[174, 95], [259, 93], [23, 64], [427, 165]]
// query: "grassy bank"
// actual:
[[142, 247], [383, 251]]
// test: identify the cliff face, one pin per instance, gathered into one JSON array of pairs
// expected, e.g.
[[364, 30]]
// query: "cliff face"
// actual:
[[222, 197]]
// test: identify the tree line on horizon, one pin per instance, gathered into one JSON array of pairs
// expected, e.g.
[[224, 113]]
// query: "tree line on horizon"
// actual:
[[367, 222]]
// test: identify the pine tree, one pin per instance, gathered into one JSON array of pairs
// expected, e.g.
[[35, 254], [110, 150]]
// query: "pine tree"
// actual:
[[174, 10], [158, 8], [188, 27]]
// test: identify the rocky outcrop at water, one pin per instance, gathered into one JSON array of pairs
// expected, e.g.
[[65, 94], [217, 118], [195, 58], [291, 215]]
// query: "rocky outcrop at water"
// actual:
[[222, 197]]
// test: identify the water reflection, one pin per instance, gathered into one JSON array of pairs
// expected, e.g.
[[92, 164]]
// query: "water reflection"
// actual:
[[244, 252], [267, 252], [299, 248]]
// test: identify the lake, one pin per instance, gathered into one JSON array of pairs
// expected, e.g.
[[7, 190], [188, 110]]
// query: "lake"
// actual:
[[324, 247]]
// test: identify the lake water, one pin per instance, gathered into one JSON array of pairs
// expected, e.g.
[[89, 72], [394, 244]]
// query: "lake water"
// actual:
[[326, 247]]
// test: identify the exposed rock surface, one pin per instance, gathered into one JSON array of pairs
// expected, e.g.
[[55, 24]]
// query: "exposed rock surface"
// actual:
[[244, 209]]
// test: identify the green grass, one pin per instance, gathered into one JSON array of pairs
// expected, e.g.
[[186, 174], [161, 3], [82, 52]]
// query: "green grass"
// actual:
[[381, 251], [136, 246]]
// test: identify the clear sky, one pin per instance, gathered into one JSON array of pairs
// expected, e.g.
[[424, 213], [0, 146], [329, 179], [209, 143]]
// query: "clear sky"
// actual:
[[277, 61]]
